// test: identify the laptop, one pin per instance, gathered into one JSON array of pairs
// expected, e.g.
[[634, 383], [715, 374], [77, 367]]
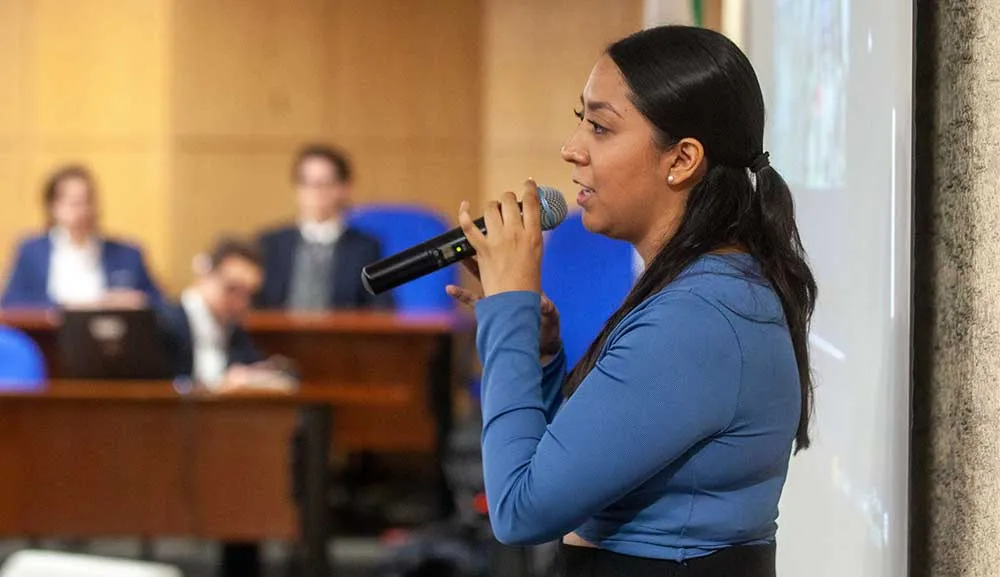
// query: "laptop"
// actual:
[[111, 344]]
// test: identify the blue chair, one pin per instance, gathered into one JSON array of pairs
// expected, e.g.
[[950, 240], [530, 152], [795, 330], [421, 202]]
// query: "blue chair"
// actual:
[[399, 227], [22, 365], [587, 276]]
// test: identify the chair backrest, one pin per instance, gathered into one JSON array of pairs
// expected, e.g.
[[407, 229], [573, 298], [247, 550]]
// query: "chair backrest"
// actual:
[[587, 276], [22, 365], [32, 563], [399, 227]]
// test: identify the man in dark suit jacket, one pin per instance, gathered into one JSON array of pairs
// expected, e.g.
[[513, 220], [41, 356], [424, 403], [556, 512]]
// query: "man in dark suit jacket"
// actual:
[[206, 343], [202, 332], [315, 264]]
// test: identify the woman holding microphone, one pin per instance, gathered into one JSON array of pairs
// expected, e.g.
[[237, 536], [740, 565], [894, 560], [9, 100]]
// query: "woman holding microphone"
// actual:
[[665, 450]]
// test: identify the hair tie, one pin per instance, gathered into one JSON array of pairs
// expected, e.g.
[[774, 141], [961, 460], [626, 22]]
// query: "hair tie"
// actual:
[[760, 162]]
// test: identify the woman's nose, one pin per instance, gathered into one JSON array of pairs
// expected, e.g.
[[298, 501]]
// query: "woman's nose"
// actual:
[[571, 151]]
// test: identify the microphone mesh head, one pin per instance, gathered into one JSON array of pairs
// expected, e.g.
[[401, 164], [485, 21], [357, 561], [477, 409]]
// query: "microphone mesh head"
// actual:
[[554, 207]]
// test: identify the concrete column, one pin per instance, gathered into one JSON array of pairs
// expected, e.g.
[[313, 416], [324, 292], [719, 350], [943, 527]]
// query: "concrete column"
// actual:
[[955, 509]]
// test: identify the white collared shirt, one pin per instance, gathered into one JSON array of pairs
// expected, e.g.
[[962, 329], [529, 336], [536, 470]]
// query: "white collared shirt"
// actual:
[[325, 233], [208, 340], [75, 272]]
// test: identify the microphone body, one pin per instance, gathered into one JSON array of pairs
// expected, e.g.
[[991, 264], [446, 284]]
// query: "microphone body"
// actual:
[[446, 249]]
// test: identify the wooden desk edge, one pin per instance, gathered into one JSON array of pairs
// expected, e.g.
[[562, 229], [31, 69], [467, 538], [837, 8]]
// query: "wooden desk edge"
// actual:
[[375, 322], [340, 394]]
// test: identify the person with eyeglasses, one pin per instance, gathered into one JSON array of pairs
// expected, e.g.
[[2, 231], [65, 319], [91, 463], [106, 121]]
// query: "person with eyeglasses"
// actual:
[[207, 344], [314, 263], [203, 334]]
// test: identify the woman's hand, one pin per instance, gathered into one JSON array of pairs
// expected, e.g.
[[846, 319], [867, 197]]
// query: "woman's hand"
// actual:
[[549, 338], [510, 254]]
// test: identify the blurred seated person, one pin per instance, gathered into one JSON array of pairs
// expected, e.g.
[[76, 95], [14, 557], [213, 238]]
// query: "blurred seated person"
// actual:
[[206, 343], [315, 263], [71, 263], [204, 338]]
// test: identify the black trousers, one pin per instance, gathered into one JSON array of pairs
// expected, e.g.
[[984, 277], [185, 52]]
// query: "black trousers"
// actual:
[[743, 561]]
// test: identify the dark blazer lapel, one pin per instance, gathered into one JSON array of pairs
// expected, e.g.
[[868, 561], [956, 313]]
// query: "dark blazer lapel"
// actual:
[[45, 260], [178, 338], [288, 246]]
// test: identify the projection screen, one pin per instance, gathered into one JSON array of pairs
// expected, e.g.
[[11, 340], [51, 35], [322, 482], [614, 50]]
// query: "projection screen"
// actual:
[[837, 77]]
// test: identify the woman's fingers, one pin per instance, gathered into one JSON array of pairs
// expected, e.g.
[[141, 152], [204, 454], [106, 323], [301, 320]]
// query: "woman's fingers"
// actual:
[[462, 295], [511, 211], [548, 307], [472, 232], [493, 219], [531, 207]]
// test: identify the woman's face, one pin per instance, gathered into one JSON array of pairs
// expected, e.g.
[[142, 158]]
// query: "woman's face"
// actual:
[[621, 170], [73, 208]]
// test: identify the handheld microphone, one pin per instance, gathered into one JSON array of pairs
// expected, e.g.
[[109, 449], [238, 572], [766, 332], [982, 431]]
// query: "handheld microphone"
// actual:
[[446, 249]]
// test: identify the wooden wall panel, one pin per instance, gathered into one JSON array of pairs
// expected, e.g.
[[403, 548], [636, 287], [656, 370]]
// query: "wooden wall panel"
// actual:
[[13, 100], [536, 59], [87, 83], [99, 67], [225, 192], [415, 125], [396, 84], [21, 211], [100, 87], [249, 68], [20, 208]]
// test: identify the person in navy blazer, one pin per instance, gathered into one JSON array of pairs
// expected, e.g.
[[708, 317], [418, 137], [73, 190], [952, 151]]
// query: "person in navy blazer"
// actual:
[[71, 264], [206, 343], [203, 332], [322, 177], [176, 324]]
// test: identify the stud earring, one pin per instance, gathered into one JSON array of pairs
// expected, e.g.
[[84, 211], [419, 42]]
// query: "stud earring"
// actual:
[[670, 179]]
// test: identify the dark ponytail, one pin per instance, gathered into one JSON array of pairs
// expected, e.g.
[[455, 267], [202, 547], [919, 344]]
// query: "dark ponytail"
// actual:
[[692, 82]]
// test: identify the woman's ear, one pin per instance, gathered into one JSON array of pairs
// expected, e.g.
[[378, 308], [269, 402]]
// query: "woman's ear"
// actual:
[[684, 163]]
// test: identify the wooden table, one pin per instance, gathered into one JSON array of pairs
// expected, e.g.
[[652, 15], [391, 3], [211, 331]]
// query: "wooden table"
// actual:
[[374, 347], [349, 346], [140, 458], [136, 458]]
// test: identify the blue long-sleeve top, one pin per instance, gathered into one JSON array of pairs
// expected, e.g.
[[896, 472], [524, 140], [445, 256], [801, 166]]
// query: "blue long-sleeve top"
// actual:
[[675, 445]]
